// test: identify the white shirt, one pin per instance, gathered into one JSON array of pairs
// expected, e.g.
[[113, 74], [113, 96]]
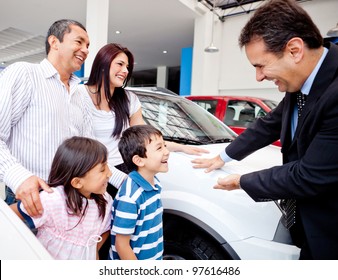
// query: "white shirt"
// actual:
[[104, 124], [36, 114]]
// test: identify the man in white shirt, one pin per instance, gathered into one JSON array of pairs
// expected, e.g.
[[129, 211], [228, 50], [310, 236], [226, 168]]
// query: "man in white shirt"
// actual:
[[40, 106]]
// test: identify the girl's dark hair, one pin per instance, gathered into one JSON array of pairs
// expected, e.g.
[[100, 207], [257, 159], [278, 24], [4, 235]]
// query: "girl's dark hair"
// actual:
[[277, 22], [118, 101], [74, 158], [133, 142], [59, 29]]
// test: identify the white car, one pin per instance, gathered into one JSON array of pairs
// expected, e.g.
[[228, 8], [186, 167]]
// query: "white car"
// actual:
[[17, 242], [200, 223]]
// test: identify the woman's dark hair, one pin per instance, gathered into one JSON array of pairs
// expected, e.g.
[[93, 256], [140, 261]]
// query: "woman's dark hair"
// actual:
[[118, 101], [59, 29], [133, 142], [74, 158], [277, 22]]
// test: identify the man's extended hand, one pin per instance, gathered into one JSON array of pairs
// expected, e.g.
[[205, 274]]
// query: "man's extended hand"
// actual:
[[228, 183], [209, 163], [28, 193]]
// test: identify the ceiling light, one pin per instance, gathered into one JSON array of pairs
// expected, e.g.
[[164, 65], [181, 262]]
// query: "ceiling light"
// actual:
[[117, 32], [165, 51], [211, 48], [333, 32]]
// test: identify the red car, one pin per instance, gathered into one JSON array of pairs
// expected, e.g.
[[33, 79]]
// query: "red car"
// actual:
[[238, 112]]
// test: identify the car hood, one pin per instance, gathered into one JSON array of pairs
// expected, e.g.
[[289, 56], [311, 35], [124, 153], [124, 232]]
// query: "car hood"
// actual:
[[231, 215]]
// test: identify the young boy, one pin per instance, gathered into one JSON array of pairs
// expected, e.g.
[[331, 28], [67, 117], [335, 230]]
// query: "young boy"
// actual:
[[137, 232]]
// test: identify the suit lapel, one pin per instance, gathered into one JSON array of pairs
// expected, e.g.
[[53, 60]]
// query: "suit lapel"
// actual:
[[290, 100]]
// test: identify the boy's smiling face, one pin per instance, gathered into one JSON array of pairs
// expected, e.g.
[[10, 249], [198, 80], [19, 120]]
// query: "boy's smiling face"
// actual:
[[157, 155]]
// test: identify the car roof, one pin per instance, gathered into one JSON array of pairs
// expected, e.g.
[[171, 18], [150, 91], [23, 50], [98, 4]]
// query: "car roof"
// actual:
[[156, 90], [249, 98]]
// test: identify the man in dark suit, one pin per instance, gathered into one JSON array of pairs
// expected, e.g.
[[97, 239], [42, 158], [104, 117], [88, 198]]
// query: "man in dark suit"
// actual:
[[284, 45]]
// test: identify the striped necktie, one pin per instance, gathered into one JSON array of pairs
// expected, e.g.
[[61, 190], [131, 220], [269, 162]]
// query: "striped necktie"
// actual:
[[301, 98]]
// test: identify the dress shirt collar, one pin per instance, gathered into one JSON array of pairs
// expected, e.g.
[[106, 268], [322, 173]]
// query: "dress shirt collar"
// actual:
[[49, 71], [309, 81]]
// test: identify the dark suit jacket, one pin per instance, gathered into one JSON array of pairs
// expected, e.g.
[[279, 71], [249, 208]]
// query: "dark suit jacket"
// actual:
[[310, 161]]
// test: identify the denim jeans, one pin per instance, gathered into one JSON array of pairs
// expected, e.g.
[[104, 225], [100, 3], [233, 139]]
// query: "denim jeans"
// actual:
[[10, 196], [10, 199]]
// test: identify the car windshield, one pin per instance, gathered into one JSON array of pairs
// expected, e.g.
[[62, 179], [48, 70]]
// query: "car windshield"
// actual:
[[181, 120]]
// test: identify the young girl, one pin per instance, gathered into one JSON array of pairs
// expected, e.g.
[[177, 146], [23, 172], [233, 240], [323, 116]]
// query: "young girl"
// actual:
[[76, 217]]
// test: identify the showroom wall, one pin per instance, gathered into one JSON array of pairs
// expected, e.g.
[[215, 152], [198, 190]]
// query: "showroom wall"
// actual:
[[228, 71]]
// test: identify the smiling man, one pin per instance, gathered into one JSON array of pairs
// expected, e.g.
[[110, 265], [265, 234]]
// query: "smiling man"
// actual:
[[285, 47], [39, 108]]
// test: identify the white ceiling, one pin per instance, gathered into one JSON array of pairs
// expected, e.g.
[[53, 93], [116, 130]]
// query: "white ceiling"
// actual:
[[147, 28]]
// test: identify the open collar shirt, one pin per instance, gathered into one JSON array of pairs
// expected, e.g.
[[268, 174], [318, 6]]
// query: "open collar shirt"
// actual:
[[306, 90], [37, 113]]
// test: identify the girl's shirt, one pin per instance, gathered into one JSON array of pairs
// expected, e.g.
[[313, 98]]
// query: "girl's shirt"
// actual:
[[104, 124], [61, 233]]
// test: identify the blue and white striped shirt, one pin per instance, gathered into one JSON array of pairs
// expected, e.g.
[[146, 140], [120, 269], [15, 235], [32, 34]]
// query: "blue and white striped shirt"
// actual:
[[137, 211], [37, 113]]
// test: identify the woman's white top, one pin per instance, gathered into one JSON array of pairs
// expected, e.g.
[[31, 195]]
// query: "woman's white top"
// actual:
[[104, 124]]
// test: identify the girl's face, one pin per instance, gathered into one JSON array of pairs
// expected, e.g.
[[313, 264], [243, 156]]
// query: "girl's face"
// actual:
[[118, 70], [95, 180]]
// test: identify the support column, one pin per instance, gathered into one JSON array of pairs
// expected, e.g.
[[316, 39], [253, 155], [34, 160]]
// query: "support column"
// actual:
[[97, 28], [206, 66], [162, 76], [186, 68]]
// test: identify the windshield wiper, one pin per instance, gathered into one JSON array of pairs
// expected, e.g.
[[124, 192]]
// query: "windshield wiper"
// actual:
[[183, 140], [223, 140]]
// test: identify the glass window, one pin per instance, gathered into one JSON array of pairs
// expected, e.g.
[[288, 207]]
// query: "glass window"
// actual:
[[209, 105], [242, 113], [180, 120]]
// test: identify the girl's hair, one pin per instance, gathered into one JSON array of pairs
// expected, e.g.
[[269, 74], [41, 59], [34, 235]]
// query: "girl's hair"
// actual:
[[133, 142], [59, 29], [118, 101], [74, 158]]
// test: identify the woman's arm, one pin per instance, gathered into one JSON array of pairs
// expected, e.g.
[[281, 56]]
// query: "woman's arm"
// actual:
[[190, 150], [136, 118]]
